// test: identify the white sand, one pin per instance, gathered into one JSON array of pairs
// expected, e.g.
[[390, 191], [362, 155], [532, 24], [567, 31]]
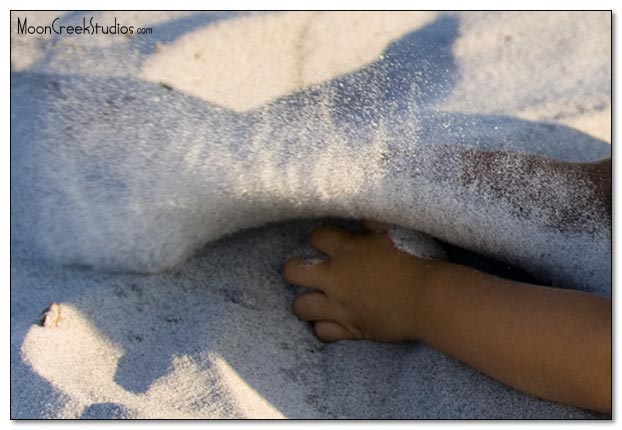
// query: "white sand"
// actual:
[[112, 170]]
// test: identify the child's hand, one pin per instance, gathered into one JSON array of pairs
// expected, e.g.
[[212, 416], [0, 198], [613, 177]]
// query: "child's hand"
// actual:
[[548, 342], [366, 289]]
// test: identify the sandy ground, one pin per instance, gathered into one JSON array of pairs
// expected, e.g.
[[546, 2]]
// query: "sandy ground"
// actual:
[[214, 338]]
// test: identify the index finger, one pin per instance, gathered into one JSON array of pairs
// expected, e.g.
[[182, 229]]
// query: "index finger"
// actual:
[[328, 239]]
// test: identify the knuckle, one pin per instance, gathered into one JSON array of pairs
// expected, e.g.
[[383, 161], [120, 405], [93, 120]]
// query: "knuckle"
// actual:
[[289, 268], [296, 305], [301, 306], [320, 332]]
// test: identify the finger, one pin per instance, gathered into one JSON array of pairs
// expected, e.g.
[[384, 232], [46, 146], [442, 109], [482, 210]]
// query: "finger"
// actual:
[[312, 306], [329, 239], [310, 273], [374, 226], [330, 331]]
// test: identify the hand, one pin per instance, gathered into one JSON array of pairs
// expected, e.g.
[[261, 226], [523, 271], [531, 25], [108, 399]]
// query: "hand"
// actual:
[[365, 289]]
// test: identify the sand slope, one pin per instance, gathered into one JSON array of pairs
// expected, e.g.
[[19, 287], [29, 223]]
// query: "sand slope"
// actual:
[[215, 338]]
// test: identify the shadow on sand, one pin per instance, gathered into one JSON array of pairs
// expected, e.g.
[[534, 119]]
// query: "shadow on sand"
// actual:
[[181, 313]]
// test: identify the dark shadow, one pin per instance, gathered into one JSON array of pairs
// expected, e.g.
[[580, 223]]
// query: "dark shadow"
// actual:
[[421, 65], [416, 69], [487, 265], [106, 411]]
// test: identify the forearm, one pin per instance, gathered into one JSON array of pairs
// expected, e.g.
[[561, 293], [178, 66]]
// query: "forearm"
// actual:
[[550, 343], [568, 195], [532, 212]]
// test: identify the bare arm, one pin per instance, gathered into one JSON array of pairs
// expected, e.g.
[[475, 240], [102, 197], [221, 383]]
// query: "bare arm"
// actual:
[[548, 342], [481, 200], [526, 180]]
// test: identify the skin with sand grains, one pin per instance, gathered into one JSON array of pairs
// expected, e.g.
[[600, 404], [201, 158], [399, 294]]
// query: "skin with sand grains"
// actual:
[[369, 289]]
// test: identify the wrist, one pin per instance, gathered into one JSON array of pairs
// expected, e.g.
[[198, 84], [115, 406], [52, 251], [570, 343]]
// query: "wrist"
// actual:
[[438, 290], [430, 285]]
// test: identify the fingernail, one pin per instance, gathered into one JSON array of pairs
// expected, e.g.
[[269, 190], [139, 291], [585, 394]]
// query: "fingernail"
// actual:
[[307, 262]]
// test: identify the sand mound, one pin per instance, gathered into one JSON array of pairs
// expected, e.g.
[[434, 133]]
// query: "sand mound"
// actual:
[[215, 337]]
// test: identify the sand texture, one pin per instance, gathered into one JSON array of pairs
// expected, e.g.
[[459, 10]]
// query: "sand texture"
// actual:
[[159, 182]]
